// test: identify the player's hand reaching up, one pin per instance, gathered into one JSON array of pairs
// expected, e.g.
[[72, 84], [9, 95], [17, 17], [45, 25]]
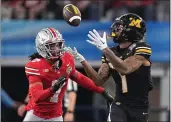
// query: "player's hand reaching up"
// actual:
[[95, 39], [77, 56], [59, 83]]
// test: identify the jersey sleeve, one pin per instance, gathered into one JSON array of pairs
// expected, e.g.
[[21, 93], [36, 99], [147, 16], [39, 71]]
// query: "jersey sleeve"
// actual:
[[36, 90], [85, 82], [143, 49], [32, 72], [72, 62]]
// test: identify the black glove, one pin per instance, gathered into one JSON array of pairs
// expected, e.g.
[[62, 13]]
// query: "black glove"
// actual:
[[58, 84], [108, 97]]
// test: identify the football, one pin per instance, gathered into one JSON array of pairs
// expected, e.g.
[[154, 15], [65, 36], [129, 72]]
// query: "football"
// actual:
[[72, 15]]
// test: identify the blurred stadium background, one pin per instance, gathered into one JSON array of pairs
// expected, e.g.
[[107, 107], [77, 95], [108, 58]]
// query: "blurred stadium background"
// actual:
[[21, 21]]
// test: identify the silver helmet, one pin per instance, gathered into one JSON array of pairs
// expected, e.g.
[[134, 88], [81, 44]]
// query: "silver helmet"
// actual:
[[49, 43]]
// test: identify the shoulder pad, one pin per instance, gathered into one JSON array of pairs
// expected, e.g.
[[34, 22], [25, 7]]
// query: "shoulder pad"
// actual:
[[32, 67], [142, 44], [69, 56], [143, 48]]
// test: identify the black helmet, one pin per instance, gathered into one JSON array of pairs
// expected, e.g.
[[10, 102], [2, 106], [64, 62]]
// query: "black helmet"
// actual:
[[128, 27]]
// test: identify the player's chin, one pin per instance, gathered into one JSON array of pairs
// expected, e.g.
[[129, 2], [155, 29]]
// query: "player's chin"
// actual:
[[56, 57]]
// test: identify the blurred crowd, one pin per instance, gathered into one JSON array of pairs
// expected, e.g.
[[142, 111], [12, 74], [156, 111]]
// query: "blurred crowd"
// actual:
[[103, 10]]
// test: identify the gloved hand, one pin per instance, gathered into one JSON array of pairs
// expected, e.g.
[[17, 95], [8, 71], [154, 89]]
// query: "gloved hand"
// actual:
[[58, 84], [99, 42], [77, 56], [108, 97]]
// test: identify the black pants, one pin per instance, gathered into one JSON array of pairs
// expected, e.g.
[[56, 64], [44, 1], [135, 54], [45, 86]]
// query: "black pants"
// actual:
[[121, 113]]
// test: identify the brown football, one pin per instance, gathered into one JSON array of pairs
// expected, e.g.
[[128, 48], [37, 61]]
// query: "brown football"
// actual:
[[72, 15]]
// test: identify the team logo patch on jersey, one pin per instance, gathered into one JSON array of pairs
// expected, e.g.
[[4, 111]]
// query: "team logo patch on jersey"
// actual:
[[68, 70], [46, 70]]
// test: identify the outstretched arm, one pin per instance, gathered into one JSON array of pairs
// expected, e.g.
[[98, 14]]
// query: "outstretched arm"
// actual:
[[124, 67], [85, 82], [88, 84], [99, 78]]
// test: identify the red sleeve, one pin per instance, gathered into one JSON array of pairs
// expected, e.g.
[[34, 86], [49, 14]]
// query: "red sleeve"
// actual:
[[36, 91], [35, 82], [81, 79], [85, 82]]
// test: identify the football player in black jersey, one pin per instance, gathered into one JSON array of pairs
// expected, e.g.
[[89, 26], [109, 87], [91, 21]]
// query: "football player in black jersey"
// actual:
[[128, 63]]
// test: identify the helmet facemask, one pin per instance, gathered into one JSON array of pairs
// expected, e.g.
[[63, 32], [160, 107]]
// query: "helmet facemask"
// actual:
[[49, 43], [52, 48], [117, 31]]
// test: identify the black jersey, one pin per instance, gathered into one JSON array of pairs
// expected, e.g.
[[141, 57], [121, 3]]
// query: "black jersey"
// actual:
[[132, 89]]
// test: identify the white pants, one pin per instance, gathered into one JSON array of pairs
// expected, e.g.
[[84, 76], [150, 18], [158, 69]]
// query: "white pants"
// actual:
[[31, 117]]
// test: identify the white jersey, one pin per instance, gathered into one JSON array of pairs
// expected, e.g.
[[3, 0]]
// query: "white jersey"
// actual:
[[72, 86]]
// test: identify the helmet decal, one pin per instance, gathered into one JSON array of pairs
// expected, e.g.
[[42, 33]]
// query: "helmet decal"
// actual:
[[52, 31], [135, 23]]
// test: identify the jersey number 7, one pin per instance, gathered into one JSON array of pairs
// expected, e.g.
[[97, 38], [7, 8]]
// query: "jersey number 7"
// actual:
[[124, 83], [54, 98]]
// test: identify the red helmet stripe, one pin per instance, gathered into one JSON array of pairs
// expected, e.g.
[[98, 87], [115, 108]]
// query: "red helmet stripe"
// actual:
[[53, 32]]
